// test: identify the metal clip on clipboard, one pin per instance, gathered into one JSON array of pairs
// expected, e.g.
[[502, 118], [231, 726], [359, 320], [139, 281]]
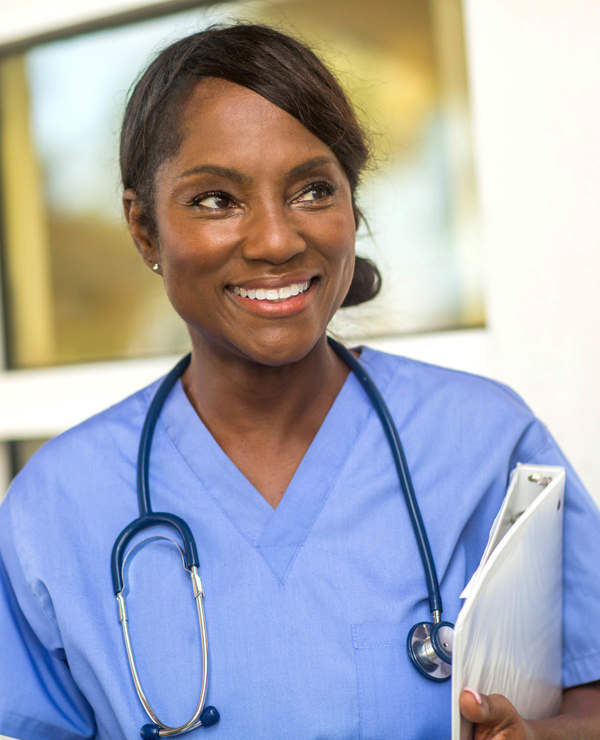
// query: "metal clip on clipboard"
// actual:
[[508, 635]]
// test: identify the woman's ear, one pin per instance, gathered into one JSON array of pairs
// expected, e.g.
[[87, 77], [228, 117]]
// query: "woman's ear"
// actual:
[[137, 222]]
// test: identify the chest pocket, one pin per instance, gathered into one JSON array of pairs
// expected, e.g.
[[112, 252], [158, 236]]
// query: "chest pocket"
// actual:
[[395, 701]]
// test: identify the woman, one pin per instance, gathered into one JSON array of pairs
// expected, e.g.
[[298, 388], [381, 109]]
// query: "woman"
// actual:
[[240, 159]]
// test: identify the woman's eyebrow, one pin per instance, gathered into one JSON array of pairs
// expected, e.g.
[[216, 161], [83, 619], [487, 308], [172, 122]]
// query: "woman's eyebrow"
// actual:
[[239, 177], [310, 164], [214, 169]]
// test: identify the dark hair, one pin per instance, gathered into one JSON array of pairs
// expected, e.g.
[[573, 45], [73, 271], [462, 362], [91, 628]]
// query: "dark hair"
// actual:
[[277, 67]]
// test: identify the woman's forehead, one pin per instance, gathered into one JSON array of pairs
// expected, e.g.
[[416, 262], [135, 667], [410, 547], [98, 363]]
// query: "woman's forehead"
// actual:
[[230, 125], [225, 119]]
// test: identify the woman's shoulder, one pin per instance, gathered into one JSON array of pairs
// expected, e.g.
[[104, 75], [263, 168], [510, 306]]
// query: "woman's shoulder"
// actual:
[[440, 401], [401, 373], [99, 444], [72, 485]]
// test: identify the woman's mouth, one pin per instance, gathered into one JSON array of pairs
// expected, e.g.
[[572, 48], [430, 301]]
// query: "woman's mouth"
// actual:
[[275, 302]]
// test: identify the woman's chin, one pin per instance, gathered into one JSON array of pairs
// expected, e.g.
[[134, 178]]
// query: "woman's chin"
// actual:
[[275, 349], [281, 352]]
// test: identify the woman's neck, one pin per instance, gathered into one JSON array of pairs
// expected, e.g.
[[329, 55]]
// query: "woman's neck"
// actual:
[[264, 418], [231, 390]]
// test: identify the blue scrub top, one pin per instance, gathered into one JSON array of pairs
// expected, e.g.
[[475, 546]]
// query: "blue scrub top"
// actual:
[[308, 606]]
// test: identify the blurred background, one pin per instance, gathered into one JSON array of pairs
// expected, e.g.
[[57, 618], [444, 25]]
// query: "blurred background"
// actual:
[[482, 198]]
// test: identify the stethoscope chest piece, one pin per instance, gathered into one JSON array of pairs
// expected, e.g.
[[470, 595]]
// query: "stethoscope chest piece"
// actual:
[[430, 649]]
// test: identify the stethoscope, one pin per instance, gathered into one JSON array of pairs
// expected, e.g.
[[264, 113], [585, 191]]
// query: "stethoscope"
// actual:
[[429, 644]]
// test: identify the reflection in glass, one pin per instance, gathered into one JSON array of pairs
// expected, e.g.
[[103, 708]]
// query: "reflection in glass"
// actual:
[[77, 288]]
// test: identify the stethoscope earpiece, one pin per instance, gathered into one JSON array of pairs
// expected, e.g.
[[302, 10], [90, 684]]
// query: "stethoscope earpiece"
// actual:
[[150, 732], [430, 649], [210, 716]]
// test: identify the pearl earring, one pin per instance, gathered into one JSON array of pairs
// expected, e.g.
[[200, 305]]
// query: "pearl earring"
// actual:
[[156, 267]]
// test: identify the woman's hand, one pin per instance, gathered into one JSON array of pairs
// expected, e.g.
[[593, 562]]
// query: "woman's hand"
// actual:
[[493, 717]]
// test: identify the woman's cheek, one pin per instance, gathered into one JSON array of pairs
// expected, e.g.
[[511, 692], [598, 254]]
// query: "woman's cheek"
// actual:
[[201, 250]]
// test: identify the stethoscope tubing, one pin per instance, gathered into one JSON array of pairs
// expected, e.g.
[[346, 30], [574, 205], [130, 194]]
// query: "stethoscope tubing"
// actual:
[[189, 553], [145, 446], [391, 433]]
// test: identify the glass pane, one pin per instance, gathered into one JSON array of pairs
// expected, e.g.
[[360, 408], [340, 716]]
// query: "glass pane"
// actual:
[[76, 287]]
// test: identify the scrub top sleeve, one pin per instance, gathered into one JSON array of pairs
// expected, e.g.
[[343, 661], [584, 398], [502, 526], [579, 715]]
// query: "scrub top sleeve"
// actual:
[[581, 555], [38, 697]]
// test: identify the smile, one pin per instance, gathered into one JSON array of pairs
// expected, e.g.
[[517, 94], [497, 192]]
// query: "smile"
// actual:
[[272, 294]]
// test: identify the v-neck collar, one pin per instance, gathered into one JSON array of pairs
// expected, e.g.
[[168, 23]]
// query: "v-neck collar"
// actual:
[[279, 533]]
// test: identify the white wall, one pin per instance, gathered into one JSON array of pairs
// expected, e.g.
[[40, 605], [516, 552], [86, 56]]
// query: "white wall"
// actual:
[[535, 75]]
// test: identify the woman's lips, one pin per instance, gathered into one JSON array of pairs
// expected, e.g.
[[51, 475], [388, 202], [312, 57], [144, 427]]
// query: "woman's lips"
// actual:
[[284, 300]]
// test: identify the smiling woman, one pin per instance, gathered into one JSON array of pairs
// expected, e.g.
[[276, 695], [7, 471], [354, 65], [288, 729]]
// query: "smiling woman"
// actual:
[[240, 158]]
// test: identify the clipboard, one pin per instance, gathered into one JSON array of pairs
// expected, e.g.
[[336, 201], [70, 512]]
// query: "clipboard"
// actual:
[[508, 634]]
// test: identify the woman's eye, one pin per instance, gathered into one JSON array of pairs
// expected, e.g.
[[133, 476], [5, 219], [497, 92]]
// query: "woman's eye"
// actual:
[[215, 201], [315, 192]]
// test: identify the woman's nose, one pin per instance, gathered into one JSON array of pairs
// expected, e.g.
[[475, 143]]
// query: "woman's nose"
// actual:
[[273, 235]]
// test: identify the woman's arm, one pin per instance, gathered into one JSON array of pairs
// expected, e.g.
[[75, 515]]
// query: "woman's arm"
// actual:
[[495, 718]]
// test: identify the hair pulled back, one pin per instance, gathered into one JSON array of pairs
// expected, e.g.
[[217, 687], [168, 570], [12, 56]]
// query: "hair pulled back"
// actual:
[[272, 64]]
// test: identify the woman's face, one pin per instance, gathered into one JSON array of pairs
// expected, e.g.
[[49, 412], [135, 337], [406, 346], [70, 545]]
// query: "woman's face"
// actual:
[[255, 227]]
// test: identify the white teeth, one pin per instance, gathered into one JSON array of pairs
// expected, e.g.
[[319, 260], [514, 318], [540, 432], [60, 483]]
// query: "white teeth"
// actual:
[[272, 294]]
